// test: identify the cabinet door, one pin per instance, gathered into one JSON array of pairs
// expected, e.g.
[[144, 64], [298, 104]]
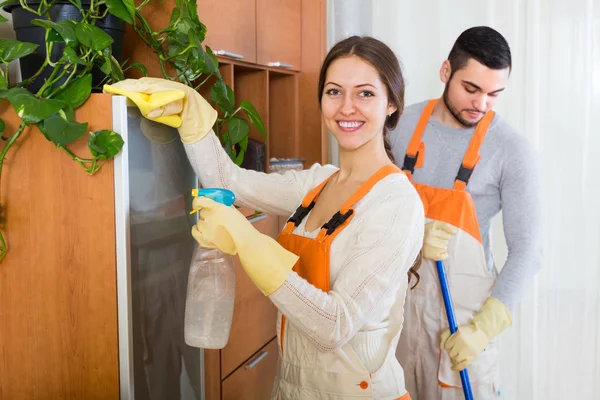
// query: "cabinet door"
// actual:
[[253, 380], [279, 33], [254, 316], [231, 27]]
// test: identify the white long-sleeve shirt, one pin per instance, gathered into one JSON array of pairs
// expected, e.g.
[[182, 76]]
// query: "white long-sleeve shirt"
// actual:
[[369, 260]]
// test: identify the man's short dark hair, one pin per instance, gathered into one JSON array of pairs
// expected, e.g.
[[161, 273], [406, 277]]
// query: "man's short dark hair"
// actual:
[[482, 43]]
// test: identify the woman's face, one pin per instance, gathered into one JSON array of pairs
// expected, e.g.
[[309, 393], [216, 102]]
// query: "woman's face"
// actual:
[[354, 102]]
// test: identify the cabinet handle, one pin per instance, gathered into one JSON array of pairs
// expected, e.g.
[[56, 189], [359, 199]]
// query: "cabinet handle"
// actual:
[[258, 359], [279, 64], [228, 54], [258, 218]]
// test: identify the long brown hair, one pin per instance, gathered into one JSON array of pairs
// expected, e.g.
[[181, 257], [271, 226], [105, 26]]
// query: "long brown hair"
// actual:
[[383, 59]]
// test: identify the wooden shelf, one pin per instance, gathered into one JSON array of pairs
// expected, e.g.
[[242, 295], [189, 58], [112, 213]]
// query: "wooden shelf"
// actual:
[[283, 115], [253, 85]]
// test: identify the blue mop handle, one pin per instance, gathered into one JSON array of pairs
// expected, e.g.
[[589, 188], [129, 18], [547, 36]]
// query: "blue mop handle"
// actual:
[[464, 375]]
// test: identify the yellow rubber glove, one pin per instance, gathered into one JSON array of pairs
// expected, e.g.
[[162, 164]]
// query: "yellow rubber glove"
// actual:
[[225, 228], [436, 238], [171, 103], [470, 340]]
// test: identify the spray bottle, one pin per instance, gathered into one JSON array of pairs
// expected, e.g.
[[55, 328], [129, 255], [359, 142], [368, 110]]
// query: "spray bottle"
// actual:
[[211, 289]]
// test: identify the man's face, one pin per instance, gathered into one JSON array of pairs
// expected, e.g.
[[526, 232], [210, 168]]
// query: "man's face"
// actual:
[[472, 91]]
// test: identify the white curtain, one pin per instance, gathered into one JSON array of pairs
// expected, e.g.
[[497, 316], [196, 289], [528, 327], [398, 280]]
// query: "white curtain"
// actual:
[[553, 349]]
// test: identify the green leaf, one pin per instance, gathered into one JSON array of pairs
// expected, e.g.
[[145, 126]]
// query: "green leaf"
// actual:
[[2, 18], [106, 66], [71, 56], [61, 31], [197, 52], [174, 16], [222, 94], [92, 36], [117, 73], [211, 64], [238, 129], [12, 49], [185, 25], [244, 144], [60, 130], [139, 66], [254, 117], [105, 144], [77, 92], [227, 145], [2, 125], [31, 109], [239, 159], [3, 83], [124, 9]]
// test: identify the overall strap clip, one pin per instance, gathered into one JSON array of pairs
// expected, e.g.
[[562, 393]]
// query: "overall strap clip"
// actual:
[[337, 220], [301, 213]]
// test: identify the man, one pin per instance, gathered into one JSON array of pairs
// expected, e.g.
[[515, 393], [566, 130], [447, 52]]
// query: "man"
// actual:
[[467, 164]]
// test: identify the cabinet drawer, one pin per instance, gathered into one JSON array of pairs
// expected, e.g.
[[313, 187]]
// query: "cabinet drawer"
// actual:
[[279, 32], [253, 380], [231, 26], [254, 315]]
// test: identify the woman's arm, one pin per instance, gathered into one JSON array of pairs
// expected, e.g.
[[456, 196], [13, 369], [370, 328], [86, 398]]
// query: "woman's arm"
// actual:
[[278, 194]]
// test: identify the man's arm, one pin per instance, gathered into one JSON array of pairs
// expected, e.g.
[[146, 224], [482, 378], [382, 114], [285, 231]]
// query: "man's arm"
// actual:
[[520, 197]]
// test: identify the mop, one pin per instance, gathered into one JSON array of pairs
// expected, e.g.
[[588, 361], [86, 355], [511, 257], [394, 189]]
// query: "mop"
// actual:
[[464, 375]]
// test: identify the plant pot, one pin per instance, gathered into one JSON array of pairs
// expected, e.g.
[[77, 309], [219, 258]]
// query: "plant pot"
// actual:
[[26, 32]]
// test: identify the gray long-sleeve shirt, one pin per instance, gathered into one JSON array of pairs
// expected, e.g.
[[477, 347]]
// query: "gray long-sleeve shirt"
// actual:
[[506, 178]]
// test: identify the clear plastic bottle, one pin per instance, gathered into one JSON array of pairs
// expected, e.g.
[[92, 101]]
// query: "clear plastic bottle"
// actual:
[[210, 297]]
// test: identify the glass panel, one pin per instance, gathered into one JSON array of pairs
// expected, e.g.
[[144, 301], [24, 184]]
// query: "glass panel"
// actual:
[[161, 179]]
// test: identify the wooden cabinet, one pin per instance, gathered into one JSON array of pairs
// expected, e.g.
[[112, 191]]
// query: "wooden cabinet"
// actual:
[[267, 32], [243, 361], [279, 33], [58, 303], [231, 27], [253, 380], [254, 316]]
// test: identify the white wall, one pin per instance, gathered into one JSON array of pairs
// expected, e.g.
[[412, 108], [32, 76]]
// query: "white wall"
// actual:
[[553, 99]]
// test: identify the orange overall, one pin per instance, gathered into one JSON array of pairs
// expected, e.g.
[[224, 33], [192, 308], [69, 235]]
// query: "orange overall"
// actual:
[[428, 369], [304, 371]]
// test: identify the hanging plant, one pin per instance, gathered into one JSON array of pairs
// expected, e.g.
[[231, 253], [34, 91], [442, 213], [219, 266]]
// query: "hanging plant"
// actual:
[[78, 59]]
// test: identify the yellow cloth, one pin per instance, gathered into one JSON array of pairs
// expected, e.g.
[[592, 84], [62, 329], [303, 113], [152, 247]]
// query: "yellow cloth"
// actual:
[[436, 238], [265, 261], [470, 340], [170, 103]]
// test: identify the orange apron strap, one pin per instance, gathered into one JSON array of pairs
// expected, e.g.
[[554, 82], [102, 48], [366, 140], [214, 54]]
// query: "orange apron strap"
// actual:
[[415, 150], [343, 217], [472, 156], [307, 204]]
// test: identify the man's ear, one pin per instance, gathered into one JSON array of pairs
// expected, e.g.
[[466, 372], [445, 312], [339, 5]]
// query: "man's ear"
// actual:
[[445, 71]]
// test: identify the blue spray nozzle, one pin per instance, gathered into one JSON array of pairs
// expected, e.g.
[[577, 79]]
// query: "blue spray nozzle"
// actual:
[[222, 196]]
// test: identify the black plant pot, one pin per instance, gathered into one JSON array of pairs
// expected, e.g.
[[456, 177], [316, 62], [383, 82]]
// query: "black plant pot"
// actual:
[[26, 32]]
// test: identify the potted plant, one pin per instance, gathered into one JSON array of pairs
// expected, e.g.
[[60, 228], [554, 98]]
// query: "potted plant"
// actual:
[[64, 79]]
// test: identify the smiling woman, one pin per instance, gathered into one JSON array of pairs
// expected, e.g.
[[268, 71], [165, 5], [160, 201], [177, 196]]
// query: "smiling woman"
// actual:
[[363, 95], [338, 274]]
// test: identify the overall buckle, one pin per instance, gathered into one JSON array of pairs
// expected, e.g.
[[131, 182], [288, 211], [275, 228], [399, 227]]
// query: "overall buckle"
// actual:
[[337, 220]]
